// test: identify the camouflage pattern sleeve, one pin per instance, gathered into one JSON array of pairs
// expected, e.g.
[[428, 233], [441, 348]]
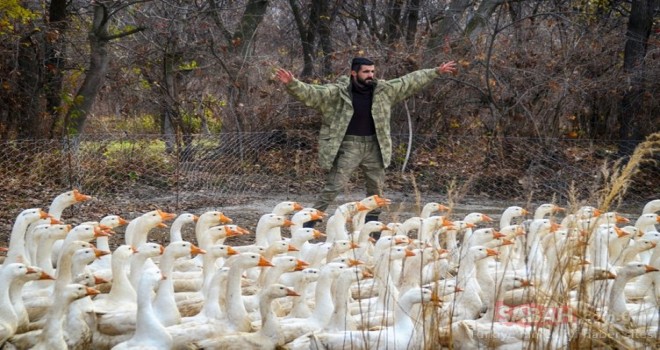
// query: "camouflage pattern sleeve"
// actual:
[[314, 96], [401, 88]]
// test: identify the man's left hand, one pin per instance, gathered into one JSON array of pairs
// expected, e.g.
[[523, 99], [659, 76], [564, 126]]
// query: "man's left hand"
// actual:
[[448, 67]]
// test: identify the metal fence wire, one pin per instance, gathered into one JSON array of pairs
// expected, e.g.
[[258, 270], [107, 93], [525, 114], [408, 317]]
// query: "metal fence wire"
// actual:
[[195, 170]]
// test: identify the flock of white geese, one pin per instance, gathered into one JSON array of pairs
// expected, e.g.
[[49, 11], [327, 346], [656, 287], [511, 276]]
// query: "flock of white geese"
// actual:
[[546, 279]]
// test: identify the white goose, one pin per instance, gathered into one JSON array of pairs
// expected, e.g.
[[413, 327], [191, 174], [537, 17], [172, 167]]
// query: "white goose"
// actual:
[[286, 208], [55, 210], [138, 229], [400, 336], [122, 295], [300, 306], [16, 295], [46, 235], [52, 336], [16, 249], [143, 252], [323, 305], [164, 303], [103, 243], [8, 318], [268, 228], [618, 311], [149, 331], [432, 207], [336, 226], [371, 203], [268, 337], [652, 206], [176, 228], [281, 264]]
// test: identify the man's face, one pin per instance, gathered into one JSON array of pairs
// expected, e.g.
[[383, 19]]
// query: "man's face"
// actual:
[[365, 76]]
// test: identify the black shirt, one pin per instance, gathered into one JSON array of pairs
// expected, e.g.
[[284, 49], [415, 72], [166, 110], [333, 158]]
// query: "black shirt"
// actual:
[[362, 122]]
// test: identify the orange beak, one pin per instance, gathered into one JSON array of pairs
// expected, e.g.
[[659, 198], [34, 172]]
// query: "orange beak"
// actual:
[[409, 253], [122, 221], [301, 265], [79, 197], [292, 248], [195, 218], [621, 220], [297, 206], [98, 232], [99, 253], [354, 245], [100, 280], [92, 291], [45, 276], [263, 262], [162, 249], [487, 218], [30, 270], [491, 252], [650, 268], [54, 221], [231, 251], [291, 293], [43, 214], [287, 223], [318, 234], [166, 216], [354, 262], [194, 250]]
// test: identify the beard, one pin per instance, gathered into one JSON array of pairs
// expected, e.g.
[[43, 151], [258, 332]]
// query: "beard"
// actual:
[[365, 82]]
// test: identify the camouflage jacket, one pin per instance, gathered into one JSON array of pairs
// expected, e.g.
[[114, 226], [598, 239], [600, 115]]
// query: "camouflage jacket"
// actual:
[[334, 102]]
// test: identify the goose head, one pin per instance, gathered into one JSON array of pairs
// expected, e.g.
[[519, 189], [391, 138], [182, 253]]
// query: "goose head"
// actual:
[[287, 207], [375, 201], [475, 218], [306, 234], [221, 251], [113, 221]]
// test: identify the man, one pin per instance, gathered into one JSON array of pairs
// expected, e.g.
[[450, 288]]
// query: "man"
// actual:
[[355, 131]]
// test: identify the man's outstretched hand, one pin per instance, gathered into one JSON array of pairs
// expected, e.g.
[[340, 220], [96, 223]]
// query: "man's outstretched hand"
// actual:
[[448, 67], [284, 75]]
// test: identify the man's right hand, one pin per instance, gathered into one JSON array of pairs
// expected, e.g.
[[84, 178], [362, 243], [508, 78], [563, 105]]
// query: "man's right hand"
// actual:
[[284, 75]]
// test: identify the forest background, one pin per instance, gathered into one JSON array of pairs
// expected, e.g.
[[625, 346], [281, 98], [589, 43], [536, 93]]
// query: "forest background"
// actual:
[[544, 89]]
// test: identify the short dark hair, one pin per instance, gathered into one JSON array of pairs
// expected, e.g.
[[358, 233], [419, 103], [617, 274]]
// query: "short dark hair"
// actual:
[[358, 62]]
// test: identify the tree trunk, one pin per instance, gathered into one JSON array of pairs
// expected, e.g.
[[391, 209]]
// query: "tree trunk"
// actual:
[[631, 118], [448, 24], [393, 21], [412, 14], [55, 52], [98, 65], [307, 34], [28, 102], [99, 38], [325, 36]]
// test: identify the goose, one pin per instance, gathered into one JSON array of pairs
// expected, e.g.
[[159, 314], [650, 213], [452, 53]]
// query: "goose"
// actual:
[[213, 303], [617, 311], [281, 264], [138, 229], [204, 223], [305, 215], [236, 313], [385, 279], [652, 206], [234, 317], [136, 264], [16, 249], [57, 206], [46, 235], [413, 270], [190, 268], [149, 331], [38, 300], [365, 248], [511, 213], [268, 336], [584, 212], [16, 295], [399, 336], [122, 295], [52, 336], [497, 312], [370, 203], [468, 304], [268, 228], [80, 319], [302, 235], [432, 207], [340, 319], [336, 226], [317, 253], [103, 243], [84, 232], [546, 209], [189, 303], [293, 328], [164, 304], [256, 274], [300, 306], [8, 318], [176, 228], [286, 208]]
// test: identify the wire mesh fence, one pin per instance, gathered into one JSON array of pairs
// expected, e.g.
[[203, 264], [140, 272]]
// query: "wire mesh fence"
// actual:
[[214, 170]]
